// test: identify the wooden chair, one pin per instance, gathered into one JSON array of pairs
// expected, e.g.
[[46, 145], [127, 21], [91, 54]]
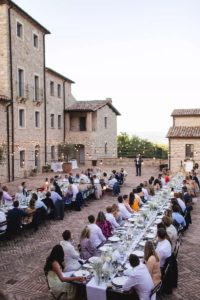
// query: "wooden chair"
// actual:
[[156, 289], [55, 297]]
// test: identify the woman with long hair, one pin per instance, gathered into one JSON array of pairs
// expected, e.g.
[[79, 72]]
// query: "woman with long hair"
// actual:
[[53, 270], [105, 225], [152, 262], [86, 248]]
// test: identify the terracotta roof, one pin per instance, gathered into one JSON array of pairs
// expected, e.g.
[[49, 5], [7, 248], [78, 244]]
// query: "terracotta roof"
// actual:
[[183, 131], [186, 112], [58, 75], [91, 105], [22, 12]]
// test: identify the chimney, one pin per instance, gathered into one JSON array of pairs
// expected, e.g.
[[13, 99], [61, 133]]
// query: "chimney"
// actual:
[[109, 100]]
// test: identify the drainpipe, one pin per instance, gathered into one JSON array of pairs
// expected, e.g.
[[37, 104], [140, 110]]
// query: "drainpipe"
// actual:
[[45, 104], [169, 153], [8, 139], [11, 92], [64, 123]]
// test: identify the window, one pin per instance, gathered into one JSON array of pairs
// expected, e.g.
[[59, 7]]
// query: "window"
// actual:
[[35, 40], [59, 121], [37, 119], [106, 148], [59, 90], [53, 152], [19, 30], [36, 87], [21, 118], [82, 123], [52, 120], [22, 158], [189, 150], [20, 83], [105, 122], [51, 88]]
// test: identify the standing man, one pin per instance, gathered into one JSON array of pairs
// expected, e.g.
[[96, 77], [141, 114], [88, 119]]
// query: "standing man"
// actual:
[[138, 164]]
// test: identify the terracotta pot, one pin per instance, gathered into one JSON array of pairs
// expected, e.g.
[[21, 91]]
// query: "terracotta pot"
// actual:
[[67, 167]]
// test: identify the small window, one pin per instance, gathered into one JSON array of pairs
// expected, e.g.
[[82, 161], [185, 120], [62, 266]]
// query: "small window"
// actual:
[[20, 83], [59, 90], [37, 119], [35, 40], [59, 121], [189, 150], [51, 88], [52, 121], [19, 30], [21, 118], [36, 87], [53, 155], [82, 123], [22, 158], [105, 122], [106, 148]]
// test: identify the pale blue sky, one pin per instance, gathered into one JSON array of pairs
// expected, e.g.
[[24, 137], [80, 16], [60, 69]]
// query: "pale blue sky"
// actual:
[[144, 54]]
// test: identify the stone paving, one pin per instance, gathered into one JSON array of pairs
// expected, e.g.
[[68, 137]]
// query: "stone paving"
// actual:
[[22, 259]]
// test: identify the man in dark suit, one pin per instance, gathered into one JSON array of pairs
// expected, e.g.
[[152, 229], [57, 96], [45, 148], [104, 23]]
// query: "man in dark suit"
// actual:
[[14, 218], [138, 164]]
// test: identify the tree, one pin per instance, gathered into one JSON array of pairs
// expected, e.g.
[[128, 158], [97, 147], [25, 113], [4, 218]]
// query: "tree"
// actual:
[[130, 146]]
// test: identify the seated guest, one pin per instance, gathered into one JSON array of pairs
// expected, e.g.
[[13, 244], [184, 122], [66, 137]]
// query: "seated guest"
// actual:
[[171, 230], [105, 225], [84, 178], [180, 202], [139, 279], [126, 203], [3, 221], [82, 186], [152, 262], [54, 272], [145, 192], [134, 201], [96, 235], [59, 204], [38, 203], [86, 248], [139, 195], [168, 213], [98, 188], [111, 218], [7, 199], [117, 214], [68, 195], [57, 187], [164, 248], [24, 189], [71, 178], [71, 256], [19, 195], [30, 211], [50, 205], [111, 182], [122, 208], [14, 218], [176, 216]]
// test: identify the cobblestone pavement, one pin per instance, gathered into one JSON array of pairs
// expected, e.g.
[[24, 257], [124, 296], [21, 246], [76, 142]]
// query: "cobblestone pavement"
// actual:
[[22, 259]]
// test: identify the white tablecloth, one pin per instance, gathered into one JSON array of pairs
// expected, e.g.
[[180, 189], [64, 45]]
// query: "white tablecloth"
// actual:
[[56, 166], [74, 164], [95, 291]]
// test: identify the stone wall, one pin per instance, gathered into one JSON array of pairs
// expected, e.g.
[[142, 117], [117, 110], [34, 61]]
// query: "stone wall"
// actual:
[[187, 121], [177, 152]]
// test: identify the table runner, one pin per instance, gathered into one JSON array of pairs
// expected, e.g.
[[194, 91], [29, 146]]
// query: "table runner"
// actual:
[[95, 291]]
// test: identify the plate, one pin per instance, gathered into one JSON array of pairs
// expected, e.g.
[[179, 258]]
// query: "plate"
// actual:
[[84, 273], [159, 217], [142, 243], [88, 266], [140, 225], [136, 214], [105, 248], [119, 281], [93, 259], [131, 219], [150, 235], [157, 221], [143, 208], [139, 253], [114, 239]]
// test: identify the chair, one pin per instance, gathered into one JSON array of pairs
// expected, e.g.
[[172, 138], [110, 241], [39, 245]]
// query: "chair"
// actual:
[[3, 232], [156, 288], [176, 250], [51, 292]]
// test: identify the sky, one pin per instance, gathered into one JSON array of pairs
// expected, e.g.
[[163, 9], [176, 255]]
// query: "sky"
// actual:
[[144, 54]]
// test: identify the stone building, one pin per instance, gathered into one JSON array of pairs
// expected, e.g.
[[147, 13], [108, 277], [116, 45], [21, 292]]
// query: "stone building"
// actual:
[[184, 139], [92, 127], [34, 99]]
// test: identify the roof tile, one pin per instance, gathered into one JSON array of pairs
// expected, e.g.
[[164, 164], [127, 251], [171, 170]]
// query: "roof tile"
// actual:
[[183, 131]]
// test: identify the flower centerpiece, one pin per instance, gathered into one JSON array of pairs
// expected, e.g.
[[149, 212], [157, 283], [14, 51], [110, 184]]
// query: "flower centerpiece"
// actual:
[[97, 266]]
